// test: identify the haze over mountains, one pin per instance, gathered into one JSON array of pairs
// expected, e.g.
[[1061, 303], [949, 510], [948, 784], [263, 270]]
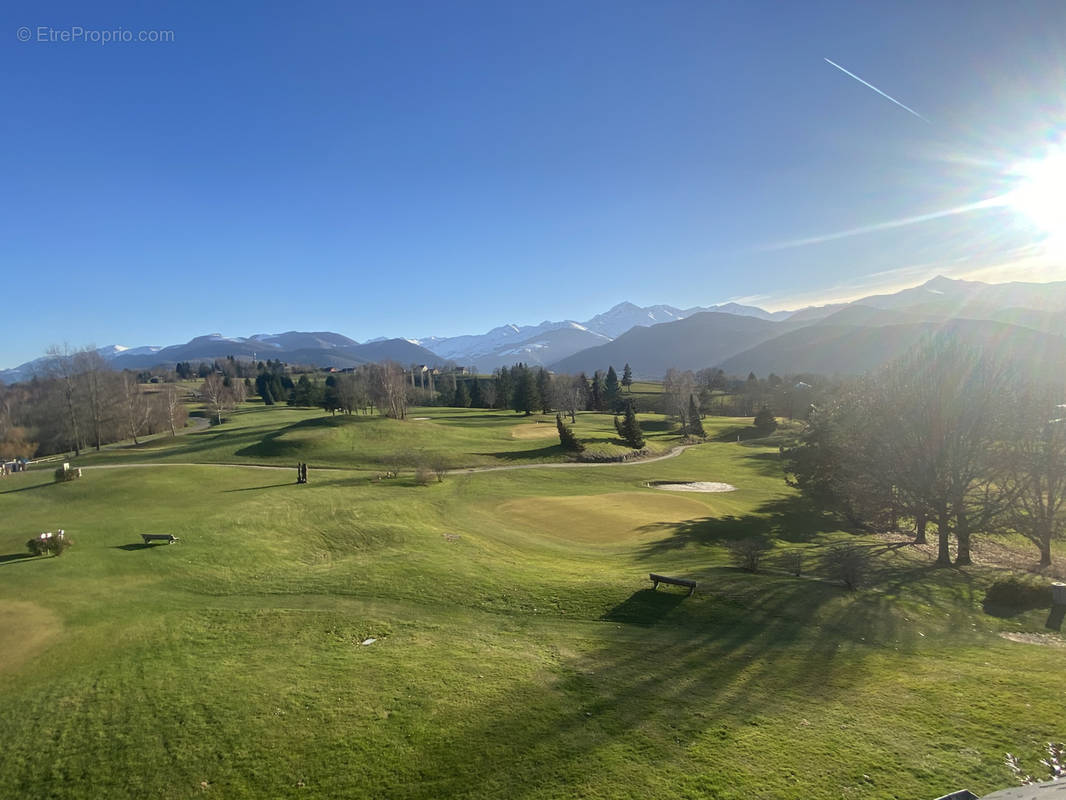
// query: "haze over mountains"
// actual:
[[1019, 320]]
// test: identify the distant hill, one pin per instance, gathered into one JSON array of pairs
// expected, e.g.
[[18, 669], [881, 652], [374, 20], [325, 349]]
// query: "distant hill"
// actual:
[[702, 340], [838, 349]]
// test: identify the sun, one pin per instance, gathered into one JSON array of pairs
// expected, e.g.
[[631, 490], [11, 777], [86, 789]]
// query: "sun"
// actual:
[[1040, 193]]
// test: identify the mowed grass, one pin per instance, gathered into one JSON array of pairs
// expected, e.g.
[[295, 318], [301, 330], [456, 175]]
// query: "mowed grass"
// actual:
[[519, 652], [282, 436]]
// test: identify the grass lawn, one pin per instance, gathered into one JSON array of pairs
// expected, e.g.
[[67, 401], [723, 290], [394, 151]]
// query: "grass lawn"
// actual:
[[519, 650]]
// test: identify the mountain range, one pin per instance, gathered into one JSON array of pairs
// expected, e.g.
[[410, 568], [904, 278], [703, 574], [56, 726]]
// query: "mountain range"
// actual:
[[1019, 320]]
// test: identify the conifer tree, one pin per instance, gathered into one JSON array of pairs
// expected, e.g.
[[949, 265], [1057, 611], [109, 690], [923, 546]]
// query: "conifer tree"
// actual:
[[695, 425], [627, 377], [629, 428], [566, 436], [612, 391]]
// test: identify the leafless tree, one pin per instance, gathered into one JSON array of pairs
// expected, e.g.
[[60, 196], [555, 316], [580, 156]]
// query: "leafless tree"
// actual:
[[60, 366]]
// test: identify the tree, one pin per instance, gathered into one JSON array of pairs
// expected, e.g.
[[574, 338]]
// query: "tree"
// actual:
[[694, 426], [627, 378], [525, 397], [566, 436], [215, 395], [462, 396], [765, 422], [1036, 473], [135, 406], [612, 391], [629, 428], [596, 392], [569, 394], [388, 389], [174, 410], [544, 390], [60, 366]]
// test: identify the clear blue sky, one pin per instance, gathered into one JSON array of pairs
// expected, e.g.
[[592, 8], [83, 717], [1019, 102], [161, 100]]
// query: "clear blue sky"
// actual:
[[445, 167]]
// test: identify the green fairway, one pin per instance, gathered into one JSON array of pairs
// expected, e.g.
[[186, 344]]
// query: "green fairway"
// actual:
[[519, 649]]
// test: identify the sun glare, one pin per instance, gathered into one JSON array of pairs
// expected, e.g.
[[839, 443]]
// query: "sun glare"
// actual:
[[1040, 194]]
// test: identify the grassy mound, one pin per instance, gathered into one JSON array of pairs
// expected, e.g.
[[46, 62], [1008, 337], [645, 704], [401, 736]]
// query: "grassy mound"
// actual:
[[519, 648]]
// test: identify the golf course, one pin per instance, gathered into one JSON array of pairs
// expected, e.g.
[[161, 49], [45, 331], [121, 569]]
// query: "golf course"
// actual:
[[491, 632]]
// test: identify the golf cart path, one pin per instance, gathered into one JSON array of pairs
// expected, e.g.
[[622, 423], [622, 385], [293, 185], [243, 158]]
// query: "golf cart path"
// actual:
[[672, 453]]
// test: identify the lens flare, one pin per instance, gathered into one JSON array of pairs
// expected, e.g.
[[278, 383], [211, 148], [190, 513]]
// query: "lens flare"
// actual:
[[1040, 195]]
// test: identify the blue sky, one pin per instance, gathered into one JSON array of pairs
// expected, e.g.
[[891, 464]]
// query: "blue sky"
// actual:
[[444, 167]]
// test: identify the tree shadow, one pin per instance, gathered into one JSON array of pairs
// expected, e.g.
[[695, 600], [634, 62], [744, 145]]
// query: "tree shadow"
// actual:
[[1054, 619], [767, 464], [14, 558], [27, 488], [538, 454], [789, 519], [740, 648]]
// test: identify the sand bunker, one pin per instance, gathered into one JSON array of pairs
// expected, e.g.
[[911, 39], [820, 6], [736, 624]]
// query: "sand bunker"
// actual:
[[420, 419], [1046, 639], [695, 486]]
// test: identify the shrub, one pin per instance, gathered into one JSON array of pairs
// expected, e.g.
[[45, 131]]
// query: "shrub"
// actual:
[[423, 475], [748, 553], [1016, 594], [55, 545], [848, 564], [439, 465], [66, 473]]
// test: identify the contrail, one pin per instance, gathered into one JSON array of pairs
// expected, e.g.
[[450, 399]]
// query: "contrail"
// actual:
[[992, 202], [871, 86]]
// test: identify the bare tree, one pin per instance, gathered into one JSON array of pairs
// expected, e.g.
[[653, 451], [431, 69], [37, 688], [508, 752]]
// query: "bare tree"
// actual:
[[1036, 472], [136, 408], [173, 409], [98, 384], [389, 389], [60, 366], [216, 395]]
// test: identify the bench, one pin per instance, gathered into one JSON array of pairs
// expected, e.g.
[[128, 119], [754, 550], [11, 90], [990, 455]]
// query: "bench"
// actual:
[[158, 537], [657, 579]]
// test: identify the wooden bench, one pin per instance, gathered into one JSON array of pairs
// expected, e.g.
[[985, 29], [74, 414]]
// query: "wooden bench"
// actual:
[[159, 537], [657, 579]]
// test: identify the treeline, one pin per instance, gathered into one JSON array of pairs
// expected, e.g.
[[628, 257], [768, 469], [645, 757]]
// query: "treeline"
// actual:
[[78, 402], [944, 437]]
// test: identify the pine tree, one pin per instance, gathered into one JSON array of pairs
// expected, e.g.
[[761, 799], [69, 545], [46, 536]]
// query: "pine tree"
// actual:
[[525, 390], [629, 429], [476, 400], [566, 436], [765, 422], [695, 425], [612, 391], [596, 392], [544, 389], [627, 377]]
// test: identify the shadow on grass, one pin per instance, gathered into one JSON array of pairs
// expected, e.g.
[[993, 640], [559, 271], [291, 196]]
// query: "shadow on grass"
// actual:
[[129, 548], [645, 607], [790, 519], [1054, 619], [27, 488], [14, 558], [538, 454], [662, 674], [260, 488]]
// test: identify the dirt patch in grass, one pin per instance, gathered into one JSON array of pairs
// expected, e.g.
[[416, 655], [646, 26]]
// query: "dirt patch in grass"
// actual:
[[26, 629], [603, 518]]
